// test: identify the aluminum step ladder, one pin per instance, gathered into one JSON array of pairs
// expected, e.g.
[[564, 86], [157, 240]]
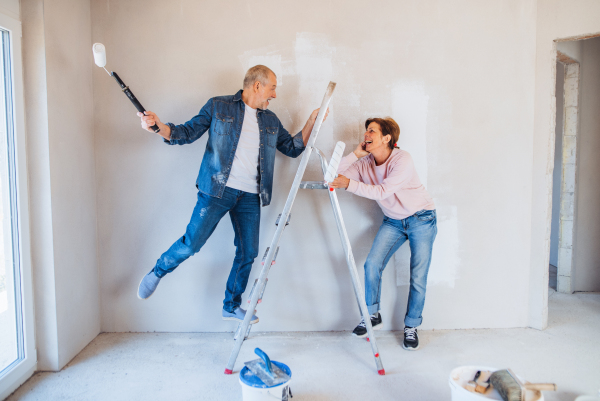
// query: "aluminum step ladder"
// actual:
[[260, 283]]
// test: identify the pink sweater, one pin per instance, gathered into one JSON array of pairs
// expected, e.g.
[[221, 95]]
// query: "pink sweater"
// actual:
[[394, 185]]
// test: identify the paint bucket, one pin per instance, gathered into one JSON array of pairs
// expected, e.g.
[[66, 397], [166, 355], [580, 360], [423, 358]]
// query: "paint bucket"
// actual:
[[254, 389], [461, 375]]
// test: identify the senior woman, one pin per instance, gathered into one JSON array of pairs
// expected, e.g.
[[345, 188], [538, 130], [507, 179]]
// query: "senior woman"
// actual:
[[379, 170]]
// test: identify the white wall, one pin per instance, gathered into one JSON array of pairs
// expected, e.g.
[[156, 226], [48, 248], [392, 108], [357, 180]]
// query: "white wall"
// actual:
[[460, 84], [58, 85], [586, 252], [406, 65], [11, 8], [556, 19]]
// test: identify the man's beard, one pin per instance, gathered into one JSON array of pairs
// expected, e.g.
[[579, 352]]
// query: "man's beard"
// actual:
[[265, 104]]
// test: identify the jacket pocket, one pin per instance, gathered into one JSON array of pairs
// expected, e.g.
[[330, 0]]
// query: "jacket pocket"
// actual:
[[223, 124], [272, 137]]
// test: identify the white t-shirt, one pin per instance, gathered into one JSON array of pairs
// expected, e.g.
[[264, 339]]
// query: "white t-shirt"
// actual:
[[244, 170]]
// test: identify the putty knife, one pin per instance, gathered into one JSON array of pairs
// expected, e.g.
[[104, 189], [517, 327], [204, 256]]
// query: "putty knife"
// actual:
[[266, 371]]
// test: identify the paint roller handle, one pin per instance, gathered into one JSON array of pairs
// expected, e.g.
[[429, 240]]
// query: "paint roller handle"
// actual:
[[132, 97], [140, 108], [265, 358], [540, 386]]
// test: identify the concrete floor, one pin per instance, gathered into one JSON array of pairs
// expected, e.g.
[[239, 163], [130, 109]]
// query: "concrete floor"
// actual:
[[332, 366]]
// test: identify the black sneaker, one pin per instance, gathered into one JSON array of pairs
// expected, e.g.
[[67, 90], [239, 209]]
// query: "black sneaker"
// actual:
[[411, 339], [361, 330]]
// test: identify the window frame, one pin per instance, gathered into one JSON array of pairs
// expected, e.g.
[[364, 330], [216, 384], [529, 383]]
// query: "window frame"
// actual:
[[22, 369]]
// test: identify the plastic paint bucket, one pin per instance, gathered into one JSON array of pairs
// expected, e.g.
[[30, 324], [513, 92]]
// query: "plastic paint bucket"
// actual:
[[253, 389], [461, 375]]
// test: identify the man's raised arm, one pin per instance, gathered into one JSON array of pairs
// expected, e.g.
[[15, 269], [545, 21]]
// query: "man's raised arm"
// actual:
[[180, 134]]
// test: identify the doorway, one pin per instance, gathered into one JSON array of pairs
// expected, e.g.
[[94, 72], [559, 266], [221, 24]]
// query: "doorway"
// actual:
[[565, 171], [575, 228]]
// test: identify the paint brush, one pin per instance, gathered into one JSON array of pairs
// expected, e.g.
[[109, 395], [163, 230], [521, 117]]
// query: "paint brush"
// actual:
[[480, 383], [483, 382], [472, 384], [512, 389]]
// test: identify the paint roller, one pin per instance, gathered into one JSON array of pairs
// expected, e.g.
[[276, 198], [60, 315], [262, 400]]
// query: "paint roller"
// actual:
[[100, 59], [334, 163]]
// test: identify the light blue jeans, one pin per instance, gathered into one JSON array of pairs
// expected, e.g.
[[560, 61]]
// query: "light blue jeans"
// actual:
[[420, 230]]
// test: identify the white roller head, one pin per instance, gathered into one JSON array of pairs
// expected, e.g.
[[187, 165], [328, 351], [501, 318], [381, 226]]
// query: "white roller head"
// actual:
[[334, 163], [99, 54]]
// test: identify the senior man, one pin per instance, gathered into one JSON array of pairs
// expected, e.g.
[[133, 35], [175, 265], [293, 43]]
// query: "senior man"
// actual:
[[236, 176]]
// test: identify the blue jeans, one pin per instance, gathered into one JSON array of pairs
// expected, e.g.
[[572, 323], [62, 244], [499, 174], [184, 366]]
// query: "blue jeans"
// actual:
[[420, 230], [244, 211]]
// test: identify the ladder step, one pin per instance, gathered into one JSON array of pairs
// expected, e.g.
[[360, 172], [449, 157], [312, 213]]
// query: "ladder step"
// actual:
[[239, 329], [262, 291], [265, 256], [287, 223], [314, 185]]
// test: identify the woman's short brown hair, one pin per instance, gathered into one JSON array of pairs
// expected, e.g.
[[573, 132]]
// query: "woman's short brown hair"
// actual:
[[388, 127]]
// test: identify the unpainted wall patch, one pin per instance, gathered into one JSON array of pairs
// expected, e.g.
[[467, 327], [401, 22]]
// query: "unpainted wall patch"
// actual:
[[445, 260]]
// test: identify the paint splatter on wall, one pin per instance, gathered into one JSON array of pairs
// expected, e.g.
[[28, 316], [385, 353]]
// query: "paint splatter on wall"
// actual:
[[445, 259]]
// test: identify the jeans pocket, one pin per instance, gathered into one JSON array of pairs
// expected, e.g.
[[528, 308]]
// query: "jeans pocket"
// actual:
[[425, 215]]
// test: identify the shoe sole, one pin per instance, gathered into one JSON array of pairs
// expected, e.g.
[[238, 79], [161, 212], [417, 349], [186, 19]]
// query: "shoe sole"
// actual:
[[378, 327], [240, 321], [138, 293], [411, 348]]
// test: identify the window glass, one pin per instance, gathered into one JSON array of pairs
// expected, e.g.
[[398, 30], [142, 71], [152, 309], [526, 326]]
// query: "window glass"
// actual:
[[11, 328]]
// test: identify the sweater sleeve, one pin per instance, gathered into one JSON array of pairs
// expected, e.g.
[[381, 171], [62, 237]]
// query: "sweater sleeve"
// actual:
[[348, 167], [400, 173]]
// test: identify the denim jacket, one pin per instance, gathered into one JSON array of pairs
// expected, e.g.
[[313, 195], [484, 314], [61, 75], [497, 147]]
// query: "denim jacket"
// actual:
[[223, 116]]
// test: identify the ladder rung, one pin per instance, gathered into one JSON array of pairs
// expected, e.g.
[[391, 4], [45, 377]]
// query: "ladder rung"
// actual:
[[239, 329], [274, 256], [287, 223], [261, 292]]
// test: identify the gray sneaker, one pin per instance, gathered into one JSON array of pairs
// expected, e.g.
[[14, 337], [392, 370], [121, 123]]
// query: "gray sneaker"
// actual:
[[238, 314], [148, 285]]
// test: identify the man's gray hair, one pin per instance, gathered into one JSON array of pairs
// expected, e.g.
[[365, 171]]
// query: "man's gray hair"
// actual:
[[258, 73]]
